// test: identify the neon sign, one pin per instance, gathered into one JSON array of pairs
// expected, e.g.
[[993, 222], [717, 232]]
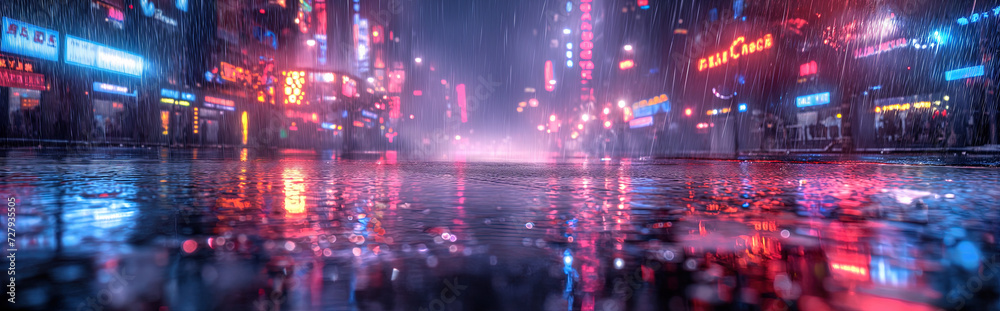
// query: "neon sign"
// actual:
[[812, 100], [925, 101], [808, 69], [641, 122], [114, 89], [964, 73], [976, 17], [651, 106], [219, 103], [626, 64], [738, 48], [586, 49], [29, 40], [84, 53], [881, 48]]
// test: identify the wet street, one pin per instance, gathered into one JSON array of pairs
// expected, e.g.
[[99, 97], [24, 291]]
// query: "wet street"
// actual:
[[232, 229]]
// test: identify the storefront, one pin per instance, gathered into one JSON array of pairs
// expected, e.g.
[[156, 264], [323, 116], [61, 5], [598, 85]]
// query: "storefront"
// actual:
[[177, 116], [110, 79], [216, 121], [917, 121], [114, 111], [23, 84], [21, 89]]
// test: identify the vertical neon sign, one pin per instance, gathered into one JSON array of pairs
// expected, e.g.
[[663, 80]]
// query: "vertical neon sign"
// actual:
[[586, 50], [461, 102]]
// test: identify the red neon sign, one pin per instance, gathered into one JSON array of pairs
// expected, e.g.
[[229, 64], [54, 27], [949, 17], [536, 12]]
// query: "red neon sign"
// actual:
[[461, 102], [807, 69], [626, 64], [738, 48]]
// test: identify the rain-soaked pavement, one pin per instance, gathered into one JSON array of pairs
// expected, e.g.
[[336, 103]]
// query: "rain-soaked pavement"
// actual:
[[236, 230]]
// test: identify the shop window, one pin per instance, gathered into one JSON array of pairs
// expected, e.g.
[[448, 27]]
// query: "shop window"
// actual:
[[22, 111]]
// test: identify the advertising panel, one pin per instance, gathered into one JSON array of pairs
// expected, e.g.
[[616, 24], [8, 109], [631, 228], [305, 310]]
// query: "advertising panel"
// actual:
[[812, 100], [648, 107], [219, 103], [164, 11], [114, 89], [29, 40], [21, 79], [92, 55]]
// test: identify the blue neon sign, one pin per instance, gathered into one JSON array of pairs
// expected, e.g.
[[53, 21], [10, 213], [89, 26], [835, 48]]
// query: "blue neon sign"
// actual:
[[812, 100], [114, 89], [369, 114], [92, 55], [168, 93], [188, 97], [964, 73], [743, 107], [29, 40]]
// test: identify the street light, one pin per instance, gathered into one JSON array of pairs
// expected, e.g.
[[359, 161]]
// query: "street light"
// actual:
[[621, 104], [628, 47], [458, 137], [371, 80], [566, 31], [552, 118], [311, 42], [607, 110], [418, 60], [585, 117], [541, 128]]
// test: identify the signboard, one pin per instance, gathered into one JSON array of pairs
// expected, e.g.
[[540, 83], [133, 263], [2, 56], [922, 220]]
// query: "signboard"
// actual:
[[740, 47], [363, 43], [21, 79], [114, 89], [219, 103], [16, 64], [88, 54], [168, 93], [812, 100], [964, 73], [109, 11], [924, 101], [165, 11], [641, 122], [368, 114], [880, 48], [233, 73], [979, 16], [586, 49], [29, 40], [648, 107], [188, 97]]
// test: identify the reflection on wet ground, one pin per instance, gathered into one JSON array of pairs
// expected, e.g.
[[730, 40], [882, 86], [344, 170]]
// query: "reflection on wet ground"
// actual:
[[236, 230]]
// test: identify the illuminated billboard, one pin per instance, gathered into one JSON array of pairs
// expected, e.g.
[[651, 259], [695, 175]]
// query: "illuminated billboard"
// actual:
[[641, 122], [648, 107], [812, 100], [740, 47], [84, 53], [964, 73], [29, 40]]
